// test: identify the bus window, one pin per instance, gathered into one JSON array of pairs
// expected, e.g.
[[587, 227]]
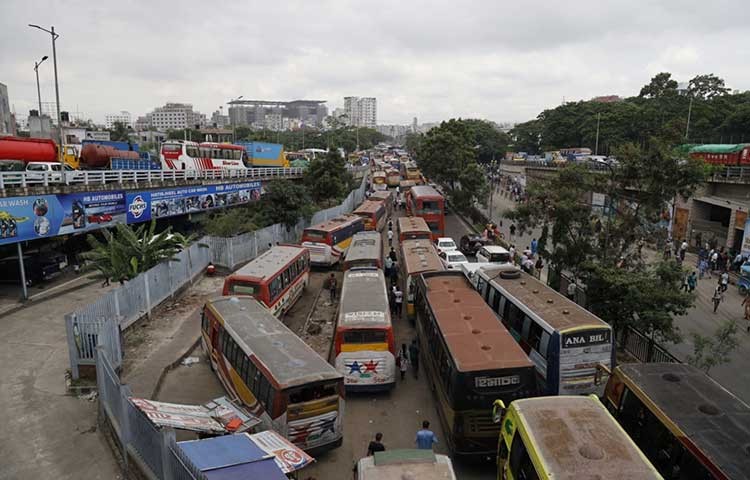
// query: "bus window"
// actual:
[[520, 462], [192, 151], [316, 236], [243, 288], [314, 392], [365, 336], [544, 344], [525, 328], [515, 319], [535, 335]]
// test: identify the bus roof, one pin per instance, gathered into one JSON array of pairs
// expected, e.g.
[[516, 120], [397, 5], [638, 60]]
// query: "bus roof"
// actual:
[[419, 256], [289, 360], [424, 191], [554, 309], [364, 299], [576, 437], [380, 195], [412, 224], [368, 206], [335, 223], [693, 405], [476, 339], [365, 246], [270, 261], [403, 464]]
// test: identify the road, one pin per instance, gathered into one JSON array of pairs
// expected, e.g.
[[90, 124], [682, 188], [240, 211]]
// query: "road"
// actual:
[[397, 414], [700, 319]]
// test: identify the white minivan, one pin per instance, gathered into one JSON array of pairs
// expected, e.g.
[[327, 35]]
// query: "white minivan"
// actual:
[[56, 172], [493, 254]]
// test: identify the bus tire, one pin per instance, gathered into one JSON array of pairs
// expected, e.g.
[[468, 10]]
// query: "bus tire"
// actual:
[[510, 275]]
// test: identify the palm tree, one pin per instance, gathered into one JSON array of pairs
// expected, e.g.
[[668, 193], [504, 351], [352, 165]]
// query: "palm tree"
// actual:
[[127, 252]]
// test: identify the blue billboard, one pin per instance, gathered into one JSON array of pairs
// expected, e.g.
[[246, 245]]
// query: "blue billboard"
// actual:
[[146, 205], [42, 216]]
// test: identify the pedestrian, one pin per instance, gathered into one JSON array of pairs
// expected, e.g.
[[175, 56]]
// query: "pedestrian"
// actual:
[[425, 437], [746, 304], [702, 268], [718, 297], [390, 224], [572, 287], [683, 250], [402, 361], [667, 251], [738, 261], [724, 281], [332, 284], [714, 261], [376, 445], [388, 267], [400, 203], [692, 281], [684, 285], [534, 246], [512, 232], [414, 357], [392, 254], [390, 238], [398, 296], [105, 283], [538, 266]]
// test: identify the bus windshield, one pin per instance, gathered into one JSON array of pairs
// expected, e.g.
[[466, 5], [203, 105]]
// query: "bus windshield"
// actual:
[[315, 235], [430, 206], [312, 392], [365, 336], [238, 287]]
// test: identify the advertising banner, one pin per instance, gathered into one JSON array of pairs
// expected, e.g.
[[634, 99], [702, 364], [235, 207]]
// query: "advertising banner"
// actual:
[[147, 205], [40, 216]]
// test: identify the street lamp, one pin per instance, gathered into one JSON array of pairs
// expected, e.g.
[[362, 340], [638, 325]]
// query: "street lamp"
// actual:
[[38, 92], [234, 124], [55, 36]]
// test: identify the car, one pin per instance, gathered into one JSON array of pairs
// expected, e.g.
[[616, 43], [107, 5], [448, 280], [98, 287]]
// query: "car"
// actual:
[[493, 254], [54, 172], [38, 267], [100, 218], [452, 259], [445, 244], [470, 244]]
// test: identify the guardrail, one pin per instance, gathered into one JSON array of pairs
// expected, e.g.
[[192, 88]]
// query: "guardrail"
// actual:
[[731, 174], [103, 177], [596, 166]]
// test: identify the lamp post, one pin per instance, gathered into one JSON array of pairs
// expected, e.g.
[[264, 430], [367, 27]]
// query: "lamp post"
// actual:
[[54, 36], [38, 92], [234, 124]]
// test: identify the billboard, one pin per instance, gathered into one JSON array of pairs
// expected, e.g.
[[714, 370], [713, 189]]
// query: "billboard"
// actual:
[[146, 205], [41, 216]]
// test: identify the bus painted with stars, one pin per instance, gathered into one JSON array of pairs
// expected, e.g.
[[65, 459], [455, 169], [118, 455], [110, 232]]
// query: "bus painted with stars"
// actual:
[[363, 344]]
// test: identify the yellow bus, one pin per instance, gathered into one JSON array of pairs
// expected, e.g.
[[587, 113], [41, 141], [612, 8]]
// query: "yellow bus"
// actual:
[[328, 241], [571, 437], [417, 257], [276, 375]]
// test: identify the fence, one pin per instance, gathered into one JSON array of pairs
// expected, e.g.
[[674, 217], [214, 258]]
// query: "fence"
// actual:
[[644, 348]]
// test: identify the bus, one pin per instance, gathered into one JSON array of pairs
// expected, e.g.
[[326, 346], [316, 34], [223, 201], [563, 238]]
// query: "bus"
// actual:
[[265, 155], [424, 201], [417, 256], [392, 177], [379, 181], [405, 464], [364, 348], [411, 228], [185, 155], [405, 186], [565, 437], [271, 371], [373, 213], [410, 171], [366, 250], [687, 424], [275, 278], [385, 197], [329, 240], [470, 360], [565, 341]]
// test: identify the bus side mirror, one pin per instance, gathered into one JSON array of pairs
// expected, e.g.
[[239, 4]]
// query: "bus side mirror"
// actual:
[[498, 411], [601, 370]]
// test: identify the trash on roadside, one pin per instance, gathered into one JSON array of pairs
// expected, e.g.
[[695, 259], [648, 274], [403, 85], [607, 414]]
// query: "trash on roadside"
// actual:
[[190, 360], [91, 396]]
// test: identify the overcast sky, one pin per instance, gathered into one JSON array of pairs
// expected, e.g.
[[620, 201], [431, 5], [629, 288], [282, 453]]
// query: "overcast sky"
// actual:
[[505, 61]]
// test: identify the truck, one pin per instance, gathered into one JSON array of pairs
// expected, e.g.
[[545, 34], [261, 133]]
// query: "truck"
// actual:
[[28, 149]]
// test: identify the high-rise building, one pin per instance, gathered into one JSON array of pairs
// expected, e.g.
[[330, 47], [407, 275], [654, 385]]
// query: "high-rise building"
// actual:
[[275, 114], [7, 123], [176, 116], [361, 111], [122, 117]]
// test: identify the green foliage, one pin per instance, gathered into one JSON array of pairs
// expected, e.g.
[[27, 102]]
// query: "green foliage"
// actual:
[[661, 85], [413, 142], [119, 132], [286, 202], [327, 179], [707, 86], [527, 137], [490, 142], [709, 352], [128, 252], [307, 137], [231, 221]]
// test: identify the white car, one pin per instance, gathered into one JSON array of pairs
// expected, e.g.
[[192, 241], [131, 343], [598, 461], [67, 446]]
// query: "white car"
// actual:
[[493, 254], [445, 244], [452, 259], [56, 172]]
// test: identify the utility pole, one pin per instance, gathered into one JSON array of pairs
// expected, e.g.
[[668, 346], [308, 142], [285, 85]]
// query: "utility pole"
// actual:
[[596, 148], [55, 36], [690, 110], [38, 91]]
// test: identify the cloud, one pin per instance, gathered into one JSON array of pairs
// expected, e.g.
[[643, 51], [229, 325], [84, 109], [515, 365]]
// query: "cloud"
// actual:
[[430, 59]]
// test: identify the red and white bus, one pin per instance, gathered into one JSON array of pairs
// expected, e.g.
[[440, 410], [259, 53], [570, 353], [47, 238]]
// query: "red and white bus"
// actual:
[[185, 155], [275, 278], [329, 241], [426, 202], [373, 213]]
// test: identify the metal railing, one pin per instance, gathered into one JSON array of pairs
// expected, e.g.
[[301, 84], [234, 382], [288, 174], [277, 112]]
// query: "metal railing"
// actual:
[[103, 177], [730, 174], [548, 165], [643, 348]]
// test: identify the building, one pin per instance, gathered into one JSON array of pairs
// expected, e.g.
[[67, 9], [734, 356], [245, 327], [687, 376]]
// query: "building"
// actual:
[[275, 115], [175, 116], [217, 135], [219, 120], [361, 111], [7, 123], [607, 99], [394, 131], [122, 117]]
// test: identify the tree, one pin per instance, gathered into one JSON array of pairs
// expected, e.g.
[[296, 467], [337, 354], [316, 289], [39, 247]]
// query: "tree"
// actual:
[[286, 202], [130, 251], [709, 352], [527, 136], [412, 142], [188, 133], [232, 221], [327, 178], [490, 142], [119, 132], [707, 86], [661, 85]]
